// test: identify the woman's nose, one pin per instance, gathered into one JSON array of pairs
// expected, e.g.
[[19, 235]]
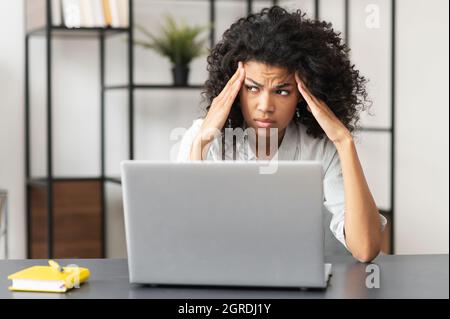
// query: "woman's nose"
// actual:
[[265, 104]]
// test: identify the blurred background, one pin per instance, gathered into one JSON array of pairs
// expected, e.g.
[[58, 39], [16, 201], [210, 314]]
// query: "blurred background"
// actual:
[[78, 95]]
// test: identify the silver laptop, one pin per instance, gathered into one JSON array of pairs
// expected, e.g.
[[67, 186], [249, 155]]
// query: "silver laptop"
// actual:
[[224, 223]]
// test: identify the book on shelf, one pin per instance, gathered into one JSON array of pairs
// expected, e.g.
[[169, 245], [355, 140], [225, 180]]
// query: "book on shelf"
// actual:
[[87, 13], [119, 13], [78, 13], [124, 11], [72, 13], [106, 12], [115, 22], [90, 13], [99, 16]]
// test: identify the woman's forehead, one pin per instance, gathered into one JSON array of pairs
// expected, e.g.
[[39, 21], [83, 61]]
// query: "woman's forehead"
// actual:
[[266, 71]]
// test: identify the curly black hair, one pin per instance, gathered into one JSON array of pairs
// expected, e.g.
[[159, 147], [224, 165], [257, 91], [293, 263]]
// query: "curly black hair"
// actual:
[[292, 41]]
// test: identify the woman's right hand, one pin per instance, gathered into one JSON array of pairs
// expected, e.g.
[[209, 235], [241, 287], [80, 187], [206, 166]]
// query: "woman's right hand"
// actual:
[[217, 115]]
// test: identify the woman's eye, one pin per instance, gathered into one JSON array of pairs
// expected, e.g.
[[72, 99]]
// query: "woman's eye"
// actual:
[[249, 88], [281, 92], [284, 91]]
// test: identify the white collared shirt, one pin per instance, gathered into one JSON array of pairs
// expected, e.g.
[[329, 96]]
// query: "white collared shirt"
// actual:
[[296, 145]]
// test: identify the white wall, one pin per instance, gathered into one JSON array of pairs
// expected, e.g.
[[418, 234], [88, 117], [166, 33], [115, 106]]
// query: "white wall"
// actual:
[[157, 112], [422, 207], [11, 121], [370, 51]]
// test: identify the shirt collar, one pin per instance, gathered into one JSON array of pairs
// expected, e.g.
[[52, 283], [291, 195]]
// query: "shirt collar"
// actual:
[[288, 149]]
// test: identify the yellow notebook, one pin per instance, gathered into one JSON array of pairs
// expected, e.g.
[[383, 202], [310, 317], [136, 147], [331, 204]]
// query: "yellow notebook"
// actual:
[[52, 278]]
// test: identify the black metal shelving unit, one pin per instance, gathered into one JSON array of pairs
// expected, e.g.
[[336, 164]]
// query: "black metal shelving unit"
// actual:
[[49, 32], [391, 129]]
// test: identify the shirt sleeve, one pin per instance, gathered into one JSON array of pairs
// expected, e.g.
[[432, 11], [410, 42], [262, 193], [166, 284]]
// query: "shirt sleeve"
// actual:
[[187, 140], [333, 187]]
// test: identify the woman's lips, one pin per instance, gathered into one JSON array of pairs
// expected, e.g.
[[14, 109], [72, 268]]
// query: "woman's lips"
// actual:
[[264, 123]]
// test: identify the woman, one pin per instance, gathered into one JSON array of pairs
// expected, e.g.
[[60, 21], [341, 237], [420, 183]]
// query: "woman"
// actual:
[[289, 77]]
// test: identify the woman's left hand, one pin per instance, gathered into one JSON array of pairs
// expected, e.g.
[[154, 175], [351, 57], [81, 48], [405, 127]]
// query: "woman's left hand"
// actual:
[[331, 125]]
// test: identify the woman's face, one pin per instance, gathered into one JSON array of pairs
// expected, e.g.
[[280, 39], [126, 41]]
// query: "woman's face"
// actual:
[[268, 97]]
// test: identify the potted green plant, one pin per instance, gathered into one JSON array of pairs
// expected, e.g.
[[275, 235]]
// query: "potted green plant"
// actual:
[[178, 43]]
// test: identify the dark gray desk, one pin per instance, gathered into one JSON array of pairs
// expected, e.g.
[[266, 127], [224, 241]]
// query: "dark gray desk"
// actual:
[[423, 276]]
